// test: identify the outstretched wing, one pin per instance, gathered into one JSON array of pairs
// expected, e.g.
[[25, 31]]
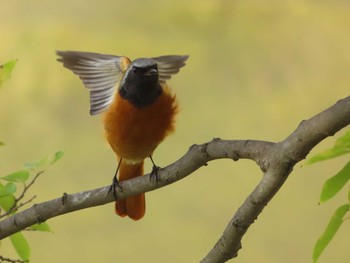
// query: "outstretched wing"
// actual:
[[169, 65], [100, 74]]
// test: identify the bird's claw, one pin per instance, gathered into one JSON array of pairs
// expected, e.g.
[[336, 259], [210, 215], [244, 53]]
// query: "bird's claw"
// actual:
[[154, 173], [113, 189]]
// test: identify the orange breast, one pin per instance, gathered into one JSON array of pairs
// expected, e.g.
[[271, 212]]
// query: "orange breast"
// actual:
[[134, 133]]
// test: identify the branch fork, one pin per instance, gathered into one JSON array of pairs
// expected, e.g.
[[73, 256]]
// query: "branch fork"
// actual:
[[276, 161]]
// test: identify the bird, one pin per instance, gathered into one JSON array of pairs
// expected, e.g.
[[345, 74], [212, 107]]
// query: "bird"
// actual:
[[138, 109]]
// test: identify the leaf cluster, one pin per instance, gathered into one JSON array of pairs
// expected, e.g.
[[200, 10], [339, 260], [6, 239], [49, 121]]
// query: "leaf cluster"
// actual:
[[330, 188], [15, 185], [12, 199]]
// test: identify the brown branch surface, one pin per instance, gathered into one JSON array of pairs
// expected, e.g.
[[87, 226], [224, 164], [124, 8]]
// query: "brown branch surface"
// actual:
[[276, 160]]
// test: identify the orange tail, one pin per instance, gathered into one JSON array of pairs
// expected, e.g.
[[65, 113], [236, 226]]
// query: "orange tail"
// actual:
[[134, 206]]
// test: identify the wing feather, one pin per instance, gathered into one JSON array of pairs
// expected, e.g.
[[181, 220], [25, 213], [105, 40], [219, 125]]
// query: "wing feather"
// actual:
[[169, 65], [100, 74]]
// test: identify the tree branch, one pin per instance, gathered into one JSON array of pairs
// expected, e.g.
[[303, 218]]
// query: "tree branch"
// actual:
[[197, 156], [279, 162], [17, 205], [276, 160]]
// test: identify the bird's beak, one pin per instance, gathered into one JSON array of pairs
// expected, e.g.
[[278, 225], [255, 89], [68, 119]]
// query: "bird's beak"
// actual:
[[151, 72]]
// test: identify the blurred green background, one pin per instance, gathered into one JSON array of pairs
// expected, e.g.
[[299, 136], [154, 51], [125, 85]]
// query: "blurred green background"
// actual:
[[256, 69]]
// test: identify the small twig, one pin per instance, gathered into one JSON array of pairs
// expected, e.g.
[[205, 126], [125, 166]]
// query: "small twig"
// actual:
[[26, 187], [16, 204], [25, 203], [3, 259]]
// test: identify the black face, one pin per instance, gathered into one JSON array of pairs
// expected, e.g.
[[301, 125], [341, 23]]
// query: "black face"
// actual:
[[140, 84]]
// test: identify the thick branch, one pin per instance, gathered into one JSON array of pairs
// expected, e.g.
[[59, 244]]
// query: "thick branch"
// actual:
[[276, 160], [197, 156], [280, 160]]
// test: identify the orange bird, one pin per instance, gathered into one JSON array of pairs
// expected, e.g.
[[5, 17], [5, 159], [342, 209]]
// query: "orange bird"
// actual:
[[139, 109]]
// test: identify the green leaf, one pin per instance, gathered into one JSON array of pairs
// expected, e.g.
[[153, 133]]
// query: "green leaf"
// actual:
[[5, 71], [332, 228], [7, 202], [334, 184], [11, 188], [19, 176], [7, 199], [343, 141], [8, 189], [58, 155], [38, 165], [21, 246], [341, 146], [327, 154], [3, 191], [41, 227], [45, 162], [1, 143]]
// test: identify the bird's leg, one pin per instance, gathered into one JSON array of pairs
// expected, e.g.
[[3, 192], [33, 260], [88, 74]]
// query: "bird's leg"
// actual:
[[155, 169], [115, 182]]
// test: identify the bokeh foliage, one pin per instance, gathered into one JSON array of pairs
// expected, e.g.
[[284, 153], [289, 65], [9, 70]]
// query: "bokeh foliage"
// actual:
[[256, 69]]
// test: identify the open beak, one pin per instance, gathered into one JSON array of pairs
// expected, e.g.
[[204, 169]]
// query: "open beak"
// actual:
[[151, 72]]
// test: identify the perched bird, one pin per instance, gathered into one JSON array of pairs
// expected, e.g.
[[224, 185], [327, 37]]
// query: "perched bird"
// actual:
[[139, 109]]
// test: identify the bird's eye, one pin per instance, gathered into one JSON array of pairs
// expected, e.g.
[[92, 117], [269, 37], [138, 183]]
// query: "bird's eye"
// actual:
[[135, 69]]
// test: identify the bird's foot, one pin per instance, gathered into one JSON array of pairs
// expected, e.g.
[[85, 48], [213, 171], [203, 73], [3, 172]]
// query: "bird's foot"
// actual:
[[114, 186], [115, 183], [154, 173]]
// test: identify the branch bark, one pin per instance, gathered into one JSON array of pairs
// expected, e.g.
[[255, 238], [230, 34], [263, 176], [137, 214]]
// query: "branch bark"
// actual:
[[276, 160], [278, 164], [197, 156]]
